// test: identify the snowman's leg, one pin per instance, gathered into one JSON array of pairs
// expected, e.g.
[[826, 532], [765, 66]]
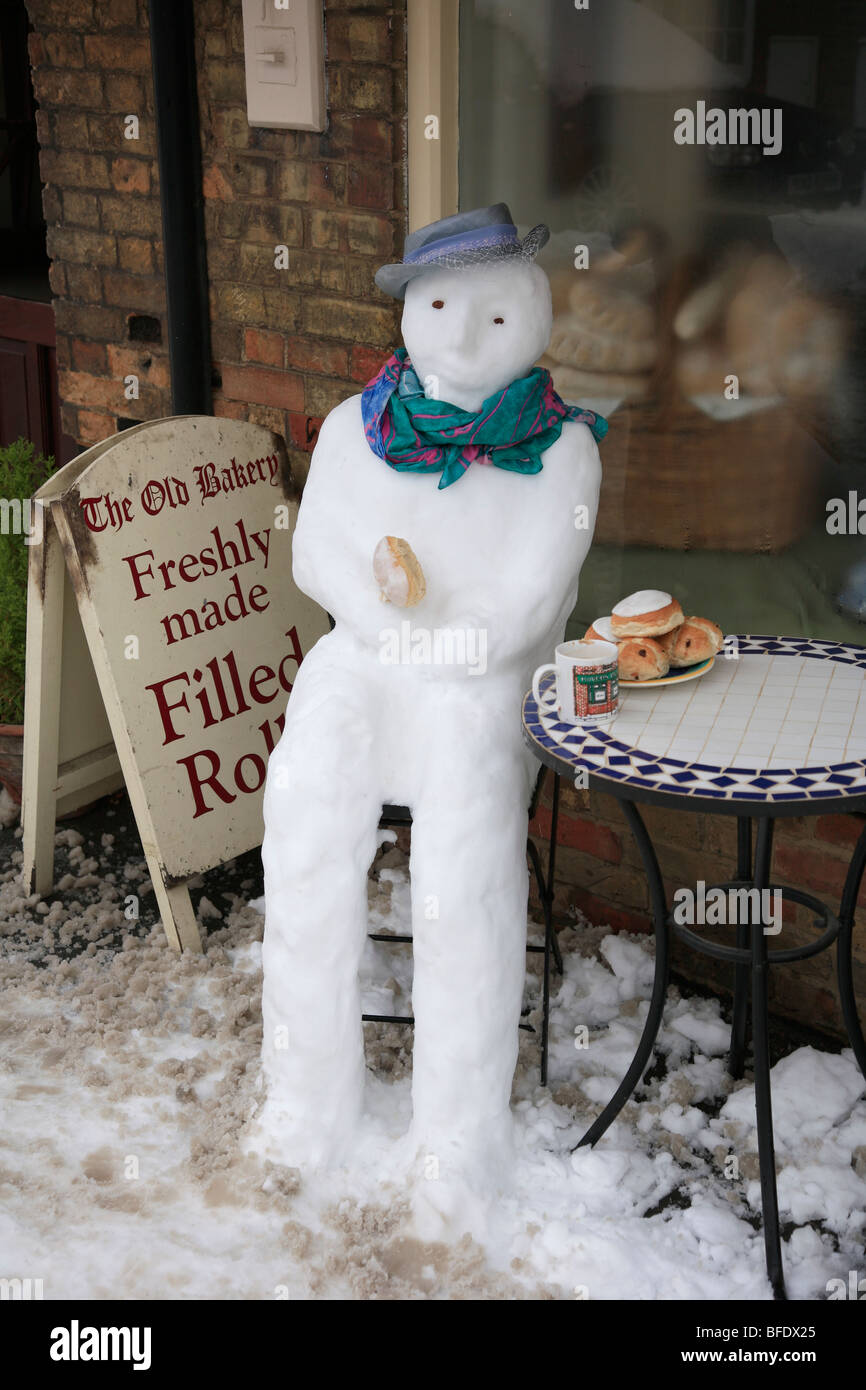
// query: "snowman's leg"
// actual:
[[469, 914], [322, 807]]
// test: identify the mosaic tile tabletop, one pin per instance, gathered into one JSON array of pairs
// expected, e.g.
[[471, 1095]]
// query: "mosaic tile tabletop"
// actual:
[[784, 721]]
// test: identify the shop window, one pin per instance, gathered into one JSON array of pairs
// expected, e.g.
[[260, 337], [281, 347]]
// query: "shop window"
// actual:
[[718, 314]]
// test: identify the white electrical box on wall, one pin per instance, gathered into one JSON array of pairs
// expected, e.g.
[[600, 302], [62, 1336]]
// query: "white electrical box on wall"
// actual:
[[285, 63]]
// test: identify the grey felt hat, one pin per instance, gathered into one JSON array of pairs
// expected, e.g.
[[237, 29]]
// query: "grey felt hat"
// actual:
[[467, 238]]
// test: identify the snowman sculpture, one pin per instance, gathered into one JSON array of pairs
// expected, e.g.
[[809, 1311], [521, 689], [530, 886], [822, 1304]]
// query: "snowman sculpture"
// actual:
[[444, 522]]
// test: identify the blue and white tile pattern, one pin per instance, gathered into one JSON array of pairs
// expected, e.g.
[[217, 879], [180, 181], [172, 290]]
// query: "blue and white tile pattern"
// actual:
[[784, 721]]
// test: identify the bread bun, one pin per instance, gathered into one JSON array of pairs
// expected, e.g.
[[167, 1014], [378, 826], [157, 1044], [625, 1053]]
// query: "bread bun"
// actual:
[[574, 342], [646, 613], [599, 631], [398, 573], [695, 640], [575, 385], [666, 640], [641, 659]]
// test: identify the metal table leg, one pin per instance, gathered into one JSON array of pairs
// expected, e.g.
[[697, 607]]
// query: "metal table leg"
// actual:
[[548, 931], [843, 951], [660, 979], [761, 1048], [736, 1055], [551, 945]]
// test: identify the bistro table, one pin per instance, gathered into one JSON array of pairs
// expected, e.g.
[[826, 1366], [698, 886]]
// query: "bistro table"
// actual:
[[778, 728]]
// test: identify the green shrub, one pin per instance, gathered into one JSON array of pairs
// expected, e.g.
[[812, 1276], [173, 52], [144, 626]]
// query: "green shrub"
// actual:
[[22, 472]]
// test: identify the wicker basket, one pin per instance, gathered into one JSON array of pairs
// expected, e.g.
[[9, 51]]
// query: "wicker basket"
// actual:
[[678, 480]]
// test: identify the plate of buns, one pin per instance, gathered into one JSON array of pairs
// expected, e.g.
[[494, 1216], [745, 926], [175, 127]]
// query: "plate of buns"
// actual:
[[657, 643]]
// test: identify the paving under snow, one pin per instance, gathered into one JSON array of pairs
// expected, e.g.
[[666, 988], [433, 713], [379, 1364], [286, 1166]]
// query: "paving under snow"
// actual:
[[126, 1074]]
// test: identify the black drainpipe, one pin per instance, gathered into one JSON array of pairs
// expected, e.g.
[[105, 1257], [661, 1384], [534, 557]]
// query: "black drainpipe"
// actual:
[[172, 49]]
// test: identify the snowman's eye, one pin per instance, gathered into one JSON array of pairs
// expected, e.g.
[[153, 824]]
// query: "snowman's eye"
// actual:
[[499, 320], [438, 303]]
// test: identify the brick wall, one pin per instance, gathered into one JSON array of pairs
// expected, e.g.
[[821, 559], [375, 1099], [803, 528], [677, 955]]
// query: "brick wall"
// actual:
[[599, 873], [288, 344]]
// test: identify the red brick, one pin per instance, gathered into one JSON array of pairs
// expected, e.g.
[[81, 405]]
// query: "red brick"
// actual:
[[88, 357], [812, 870], [263, 386], [304, 430], [36, 49], [372, 136], [264, 345], [139, 360], [603, 913], [365, 363], [83, 388], [130, 175], [216, 185], [229, 410], [94, 426], [371, 186], [587, 835], [839, 830]]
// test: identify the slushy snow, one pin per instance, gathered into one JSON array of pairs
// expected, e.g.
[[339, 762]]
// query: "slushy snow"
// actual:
[[127, 1075]]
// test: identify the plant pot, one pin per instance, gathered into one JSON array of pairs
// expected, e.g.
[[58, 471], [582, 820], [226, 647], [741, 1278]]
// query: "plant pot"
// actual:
[[12, 759]]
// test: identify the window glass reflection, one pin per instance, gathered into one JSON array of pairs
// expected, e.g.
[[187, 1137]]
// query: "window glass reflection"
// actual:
[[701, 166]]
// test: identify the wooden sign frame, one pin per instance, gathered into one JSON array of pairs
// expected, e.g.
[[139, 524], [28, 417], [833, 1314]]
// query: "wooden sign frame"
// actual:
[[78, 743]]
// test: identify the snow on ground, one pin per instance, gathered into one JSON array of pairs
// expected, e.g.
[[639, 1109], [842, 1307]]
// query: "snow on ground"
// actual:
[[126, 1075]]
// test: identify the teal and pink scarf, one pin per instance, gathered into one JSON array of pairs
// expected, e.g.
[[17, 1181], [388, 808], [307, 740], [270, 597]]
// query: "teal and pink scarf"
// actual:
[[415, 433]]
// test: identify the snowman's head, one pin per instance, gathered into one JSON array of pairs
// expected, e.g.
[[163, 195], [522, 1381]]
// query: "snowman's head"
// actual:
[[472, 330]]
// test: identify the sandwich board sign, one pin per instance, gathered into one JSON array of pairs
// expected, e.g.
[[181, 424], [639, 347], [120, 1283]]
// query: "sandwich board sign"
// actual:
[[164, 633]]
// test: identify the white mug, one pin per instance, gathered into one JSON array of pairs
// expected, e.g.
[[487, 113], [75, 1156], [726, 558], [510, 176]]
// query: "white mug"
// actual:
[[586, 690]]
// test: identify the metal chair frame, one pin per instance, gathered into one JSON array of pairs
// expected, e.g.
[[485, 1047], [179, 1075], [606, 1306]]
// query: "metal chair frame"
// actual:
[[400, 818]]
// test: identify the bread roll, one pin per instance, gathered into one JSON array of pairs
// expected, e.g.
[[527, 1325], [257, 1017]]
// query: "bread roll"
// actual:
[[695, 640], [641, 659], [398, 573], [599, 631], [576, 385], [609, 310], [646, 613], [575, 343]]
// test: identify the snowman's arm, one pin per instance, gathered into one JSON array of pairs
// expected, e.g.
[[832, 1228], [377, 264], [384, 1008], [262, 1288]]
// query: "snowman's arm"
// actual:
[[330, 562], [543, 571]]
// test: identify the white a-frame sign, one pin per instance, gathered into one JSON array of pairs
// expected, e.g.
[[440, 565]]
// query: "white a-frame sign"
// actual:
[[164, 633]]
